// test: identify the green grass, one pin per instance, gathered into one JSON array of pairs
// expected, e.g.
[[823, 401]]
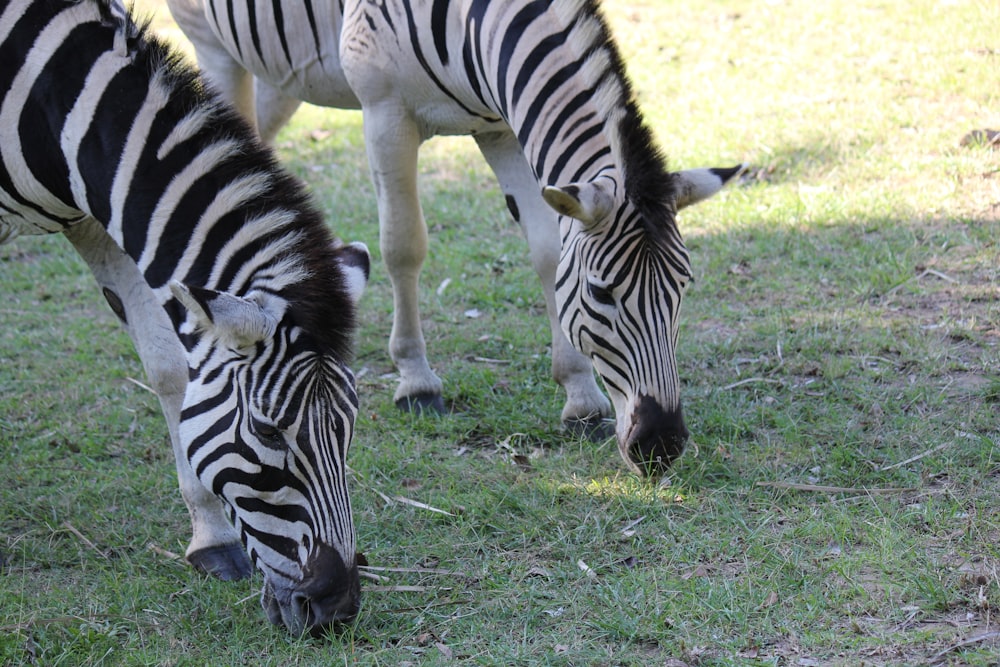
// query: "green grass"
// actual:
[[843, 331]]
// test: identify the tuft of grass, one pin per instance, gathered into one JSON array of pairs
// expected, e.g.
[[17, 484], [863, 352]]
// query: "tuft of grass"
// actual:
[[843, 333]]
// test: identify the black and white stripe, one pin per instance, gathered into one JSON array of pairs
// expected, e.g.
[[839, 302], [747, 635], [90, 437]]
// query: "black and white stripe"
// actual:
[[193, 229], [542, 88]]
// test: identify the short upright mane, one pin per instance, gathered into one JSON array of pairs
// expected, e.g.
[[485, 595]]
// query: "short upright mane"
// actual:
[[319, 303], [648, 183]]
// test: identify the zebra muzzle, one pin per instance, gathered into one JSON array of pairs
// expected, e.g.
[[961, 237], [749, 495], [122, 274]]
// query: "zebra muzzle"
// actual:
[[328, 596], [656, 439]]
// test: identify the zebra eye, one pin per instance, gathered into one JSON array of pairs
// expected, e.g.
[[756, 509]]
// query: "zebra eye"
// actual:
[[269, 434], [601, 294]]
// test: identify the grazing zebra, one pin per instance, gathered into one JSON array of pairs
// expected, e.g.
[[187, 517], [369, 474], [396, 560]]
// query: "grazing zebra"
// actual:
[[542, 89], [238, 300]]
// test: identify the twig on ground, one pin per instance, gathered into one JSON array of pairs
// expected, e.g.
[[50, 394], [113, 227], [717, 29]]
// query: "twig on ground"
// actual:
[[937, 274], [629, 529], [488, 360], [63, 620], [413, 570], [749, 381], [443, 603], [908, 621], [986, 636], [163, 552], [402, 589], [915, 458], [253, 596], [71, 528], [369, 572], [420, 505], [387, 499], [142, 385], [833, 489], [926, 272], [400, 499]]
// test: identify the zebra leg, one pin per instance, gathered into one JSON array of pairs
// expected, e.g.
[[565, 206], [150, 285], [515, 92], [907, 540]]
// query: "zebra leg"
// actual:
[[215, 545], [393, 140], [587, 410], [274, 109]]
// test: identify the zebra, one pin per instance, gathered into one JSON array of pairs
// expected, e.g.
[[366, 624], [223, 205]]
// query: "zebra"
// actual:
[[240, 302], [541, 87]]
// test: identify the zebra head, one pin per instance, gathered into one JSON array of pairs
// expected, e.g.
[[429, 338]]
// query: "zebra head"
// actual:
[[267, 421], [622, 274]]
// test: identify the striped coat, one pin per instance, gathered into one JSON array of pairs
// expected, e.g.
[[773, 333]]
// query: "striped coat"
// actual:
[[541, 87], [239, 301]]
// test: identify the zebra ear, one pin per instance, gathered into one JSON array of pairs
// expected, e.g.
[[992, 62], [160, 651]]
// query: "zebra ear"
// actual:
[[694, 185], [587, 202], [355, 261], [237, 322]]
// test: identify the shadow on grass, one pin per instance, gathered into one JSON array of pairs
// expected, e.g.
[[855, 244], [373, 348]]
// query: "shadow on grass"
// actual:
[[835, 330]]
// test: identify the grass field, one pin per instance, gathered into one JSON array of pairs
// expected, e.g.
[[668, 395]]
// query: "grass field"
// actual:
[[840, 353]]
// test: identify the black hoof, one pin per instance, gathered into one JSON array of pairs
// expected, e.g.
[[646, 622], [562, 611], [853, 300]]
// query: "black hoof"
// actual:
[[426, 404], [595, 429], [228, 562]]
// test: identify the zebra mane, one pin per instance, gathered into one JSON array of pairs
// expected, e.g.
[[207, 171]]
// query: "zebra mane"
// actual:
[[319, 302], [649, 185]]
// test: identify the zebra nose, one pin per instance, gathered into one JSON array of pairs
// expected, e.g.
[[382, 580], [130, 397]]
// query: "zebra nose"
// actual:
[[330, 592], [657, 436]]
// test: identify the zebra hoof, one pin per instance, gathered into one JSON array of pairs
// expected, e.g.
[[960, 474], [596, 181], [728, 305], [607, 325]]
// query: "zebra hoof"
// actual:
[[425, 404], [594, 429], [227, 562]]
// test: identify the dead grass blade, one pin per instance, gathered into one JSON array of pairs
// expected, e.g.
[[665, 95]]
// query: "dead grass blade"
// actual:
[[986, 636], [413, 570], [926, 272], [586, 569], [495, 362], [915, 458], [34, 623], [442, 603], [80, 536], [749, 381], [401, 499], [160, 551], [369, 572], [420, 505], [142, 385], [833, 489]]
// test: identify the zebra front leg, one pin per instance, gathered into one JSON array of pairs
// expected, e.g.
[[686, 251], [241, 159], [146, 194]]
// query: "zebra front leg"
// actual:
[[587, 410], [393, 141], [215, 546]]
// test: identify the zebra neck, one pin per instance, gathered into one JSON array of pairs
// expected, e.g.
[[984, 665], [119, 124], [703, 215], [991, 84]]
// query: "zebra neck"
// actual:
[[561, 84], [176, 179], [100, 121]]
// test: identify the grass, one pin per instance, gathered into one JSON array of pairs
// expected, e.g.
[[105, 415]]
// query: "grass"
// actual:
[[843, 331]]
